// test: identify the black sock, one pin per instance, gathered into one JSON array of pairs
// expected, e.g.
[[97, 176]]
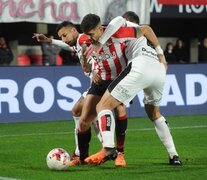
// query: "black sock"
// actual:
[[83, 143], [121, 126]]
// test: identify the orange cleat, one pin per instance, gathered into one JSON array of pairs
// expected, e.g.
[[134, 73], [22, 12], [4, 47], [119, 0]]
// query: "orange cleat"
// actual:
[[102, 156], [120, 161], [75, 162], [73, 156]]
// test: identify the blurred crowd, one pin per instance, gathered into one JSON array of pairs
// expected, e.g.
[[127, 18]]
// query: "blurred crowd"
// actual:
[[178, 53], [6, 55]]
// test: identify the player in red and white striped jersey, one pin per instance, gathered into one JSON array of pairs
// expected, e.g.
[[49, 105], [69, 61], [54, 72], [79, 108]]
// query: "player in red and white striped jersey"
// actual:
[[110, 62], [103, 73]]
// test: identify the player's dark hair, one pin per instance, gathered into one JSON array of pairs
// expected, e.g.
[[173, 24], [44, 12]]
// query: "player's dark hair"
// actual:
[[89, 22], [64, 24], [131, 16]]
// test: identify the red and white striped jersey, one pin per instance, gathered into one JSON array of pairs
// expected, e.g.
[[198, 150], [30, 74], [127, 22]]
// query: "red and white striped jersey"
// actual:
[[134, 46], [110, 61], [83, 41]]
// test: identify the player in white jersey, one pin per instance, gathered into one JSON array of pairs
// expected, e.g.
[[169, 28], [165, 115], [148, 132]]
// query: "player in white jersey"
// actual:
[[144, 72], [70, 36]]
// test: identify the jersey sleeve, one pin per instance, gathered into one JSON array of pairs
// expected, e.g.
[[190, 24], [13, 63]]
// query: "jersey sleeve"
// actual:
[[82, 42], [62, 45], [125, 32], [131, 24], [112, 27], [83, 39], [121, 29]]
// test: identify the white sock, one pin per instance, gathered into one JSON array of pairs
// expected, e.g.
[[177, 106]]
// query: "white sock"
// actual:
[[97, 130], [77, 125], [107, 127], [164, 134]]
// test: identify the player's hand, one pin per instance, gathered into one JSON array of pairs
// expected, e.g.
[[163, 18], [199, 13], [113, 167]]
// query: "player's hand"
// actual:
[[41, 38], [84, 49], [97, 79], [93, 49]]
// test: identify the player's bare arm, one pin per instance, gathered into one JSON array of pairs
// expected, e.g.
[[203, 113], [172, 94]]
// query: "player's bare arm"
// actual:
[[42, 38], [148, 32], [84, 60], [96, 78]]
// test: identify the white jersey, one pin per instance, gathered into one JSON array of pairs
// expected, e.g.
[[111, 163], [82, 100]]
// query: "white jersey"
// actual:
[[134, 47], [144, 72], [139, 47]]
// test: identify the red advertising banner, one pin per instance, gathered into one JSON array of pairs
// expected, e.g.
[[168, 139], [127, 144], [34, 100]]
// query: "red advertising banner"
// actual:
[[183, 2]]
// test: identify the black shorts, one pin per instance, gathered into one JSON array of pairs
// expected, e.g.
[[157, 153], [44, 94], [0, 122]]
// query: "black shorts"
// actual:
[[99, 89]]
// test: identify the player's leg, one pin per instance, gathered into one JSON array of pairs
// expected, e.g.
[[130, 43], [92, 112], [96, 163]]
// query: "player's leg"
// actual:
[[87, 116], [88, 112], [107, 128], [96, 129], [83, 138], [163, 131], [123, 89], [76, 112], [116, 94], [120, 129], [152, 99]]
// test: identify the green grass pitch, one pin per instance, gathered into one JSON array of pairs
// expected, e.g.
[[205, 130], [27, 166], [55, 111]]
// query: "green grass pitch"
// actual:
[[24, 146]]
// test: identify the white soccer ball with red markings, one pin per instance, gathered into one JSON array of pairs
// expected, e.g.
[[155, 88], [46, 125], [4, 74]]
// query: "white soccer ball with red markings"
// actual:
[[58, 159]]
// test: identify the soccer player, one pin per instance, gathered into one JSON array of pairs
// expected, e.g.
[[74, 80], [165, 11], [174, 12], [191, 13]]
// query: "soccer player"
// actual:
[[103, 75], [144, 72]]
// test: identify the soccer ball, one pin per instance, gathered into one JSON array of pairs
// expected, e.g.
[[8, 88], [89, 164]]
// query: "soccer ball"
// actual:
[[58, 159]]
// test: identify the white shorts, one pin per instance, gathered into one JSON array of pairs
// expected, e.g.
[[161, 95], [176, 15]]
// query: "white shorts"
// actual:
[[142, 73]]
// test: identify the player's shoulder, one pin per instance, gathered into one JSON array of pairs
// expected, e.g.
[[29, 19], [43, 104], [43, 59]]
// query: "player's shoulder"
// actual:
[[125, 32], [83, 39]]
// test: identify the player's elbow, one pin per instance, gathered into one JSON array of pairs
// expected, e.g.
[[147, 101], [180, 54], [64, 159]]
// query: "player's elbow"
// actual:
[[86, 68], [146, 29]]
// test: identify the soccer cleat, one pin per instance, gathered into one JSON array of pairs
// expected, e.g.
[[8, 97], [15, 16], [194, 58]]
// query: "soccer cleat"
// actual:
[[75, 162], [73, 156], [175, 161], [102, 156], [120, 161]]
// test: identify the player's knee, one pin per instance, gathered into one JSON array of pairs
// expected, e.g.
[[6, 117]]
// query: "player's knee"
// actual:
[[76, 111], [120, 112], [84, 126], [154, 115], [98, 107], [153, 112]]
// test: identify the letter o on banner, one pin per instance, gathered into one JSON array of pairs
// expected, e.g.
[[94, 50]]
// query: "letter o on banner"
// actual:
[[28, 95]]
